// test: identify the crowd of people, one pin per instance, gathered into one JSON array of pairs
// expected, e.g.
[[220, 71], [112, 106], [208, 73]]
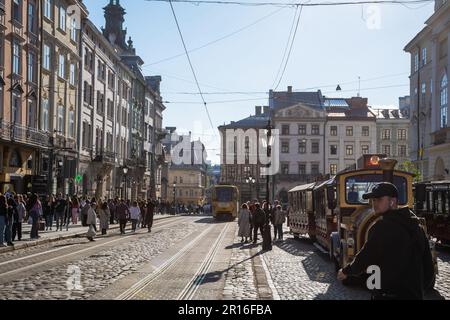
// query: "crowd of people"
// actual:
[[254, 217], [58, 212]]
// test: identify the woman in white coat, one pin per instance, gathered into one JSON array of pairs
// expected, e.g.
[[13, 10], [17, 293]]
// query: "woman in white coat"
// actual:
[[92, 222], [244, 223]]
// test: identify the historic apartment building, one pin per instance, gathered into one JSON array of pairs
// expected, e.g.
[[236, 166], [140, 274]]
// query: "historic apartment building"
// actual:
[[245, 174], [393, 134], [351, 131], [429, 132], [22, 144]]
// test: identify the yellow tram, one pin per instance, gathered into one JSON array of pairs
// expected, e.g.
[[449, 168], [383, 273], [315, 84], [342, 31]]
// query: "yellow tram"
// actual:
[[225, 202]]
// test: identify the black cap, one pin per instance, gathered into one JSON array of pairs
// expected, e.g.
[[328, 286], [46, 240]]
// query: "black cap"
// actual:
[[381, 190]]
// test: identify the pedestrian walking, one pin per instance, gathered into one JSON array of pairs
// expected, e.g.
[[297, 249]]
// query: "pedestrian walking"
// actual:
[[122, 215], [112, 211], [92, 222], [150, 214], [244, 221], [75, 210], [142, 217], [48, 207], [68, 212], [60, 211], [35, 212], [258, 222], [398, 246], [135, 213], [18, 218], [3, 219], [104, 216], [279, 219], [267, 236], [12, 215]]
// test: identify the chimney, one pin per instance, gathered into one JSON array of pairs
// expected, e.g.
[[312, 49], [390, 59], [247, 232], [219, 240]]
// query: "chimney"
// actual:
[[289, 89], [258, 110], [358, 102], [266, 110]]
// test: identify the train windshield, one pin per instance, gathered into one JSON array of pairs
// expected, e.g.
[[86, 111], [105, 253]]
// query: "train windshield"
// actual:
[[224, 194], [356, 186]]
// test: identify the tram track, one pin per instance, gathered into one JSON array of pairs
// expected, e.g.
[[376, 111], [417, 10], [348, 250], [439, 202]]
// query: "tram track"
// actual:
[[19, 265], [168, 270]]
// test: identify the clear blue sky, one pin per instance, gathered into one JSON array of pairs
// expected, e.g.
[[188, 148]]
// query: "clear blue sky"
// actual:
[[334, 45]]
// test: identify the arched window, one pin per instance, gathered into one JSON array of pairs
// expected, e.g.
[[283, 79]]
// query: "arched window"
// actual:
[[444, 101]]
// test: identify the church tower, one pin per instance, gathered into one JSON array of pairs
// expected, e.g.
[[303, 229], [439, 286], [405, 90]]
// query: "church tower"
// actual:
[[114, 17]]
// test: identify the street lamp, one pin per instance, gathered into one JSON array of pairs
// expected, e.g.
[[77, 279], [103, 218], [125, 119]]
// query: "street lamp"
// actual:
[[250, 181], [268, 144], [174, 193], [125, 171]]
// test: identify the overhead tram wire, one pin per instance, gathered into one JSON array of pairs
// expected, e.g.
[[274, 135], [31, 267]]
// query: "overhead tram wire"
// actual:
[[286, 47], [281, 4], [290, 49], [190, 64], [217, 40]]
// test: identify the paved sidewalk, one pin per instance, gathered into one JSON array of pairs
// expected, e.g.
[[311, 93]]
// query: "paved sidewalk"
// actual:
[[50, 236]]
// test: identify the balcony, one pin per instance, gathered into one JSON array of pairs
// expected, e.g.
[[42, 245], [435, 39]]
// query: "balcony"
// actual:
[[106, 157], [17, 30], [22, 134]]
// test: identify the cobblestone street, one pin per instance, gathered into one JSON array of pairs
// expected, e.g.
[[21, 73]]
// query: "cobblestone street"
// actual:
[[188, 257]]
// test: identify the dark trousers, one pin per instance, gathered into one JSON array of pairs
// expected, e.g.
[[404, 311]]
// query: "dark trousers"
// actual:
[[49, 221], [278, 229], [133, 224], [59, 216], [111, 218], [123, 224], [34, 228], [149, 221], [17, 230], [255, 231]]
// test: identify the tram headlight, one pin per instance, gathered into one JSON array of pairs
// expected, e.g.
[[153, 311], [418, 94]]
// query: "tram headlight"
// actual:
[[350, 242]]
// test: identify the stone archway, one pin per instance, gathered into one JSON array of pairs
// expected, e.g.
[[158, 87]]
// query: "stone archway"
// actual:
[[439, 169]]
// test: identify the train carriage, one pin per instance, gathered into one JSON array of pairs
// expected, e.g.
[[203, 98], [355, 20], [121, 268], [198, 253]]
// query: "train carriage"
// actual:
[[325, 216], [341, 217], [301, 211], [433, 204]]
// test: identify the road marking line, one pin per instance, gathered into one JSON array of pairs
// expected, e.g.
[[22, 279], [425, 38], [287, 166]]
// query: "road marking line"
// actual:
[[140, 285], [272, 287]]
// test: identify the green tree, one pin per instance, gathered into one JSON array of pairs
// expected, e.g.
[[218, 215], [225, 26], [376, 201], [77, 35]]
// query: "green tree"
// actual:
[[410, 167]]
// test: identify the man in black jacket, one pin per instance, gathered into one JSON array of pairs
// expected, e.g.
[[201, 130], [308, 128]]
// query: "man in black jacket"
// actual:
[[396, 244]]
